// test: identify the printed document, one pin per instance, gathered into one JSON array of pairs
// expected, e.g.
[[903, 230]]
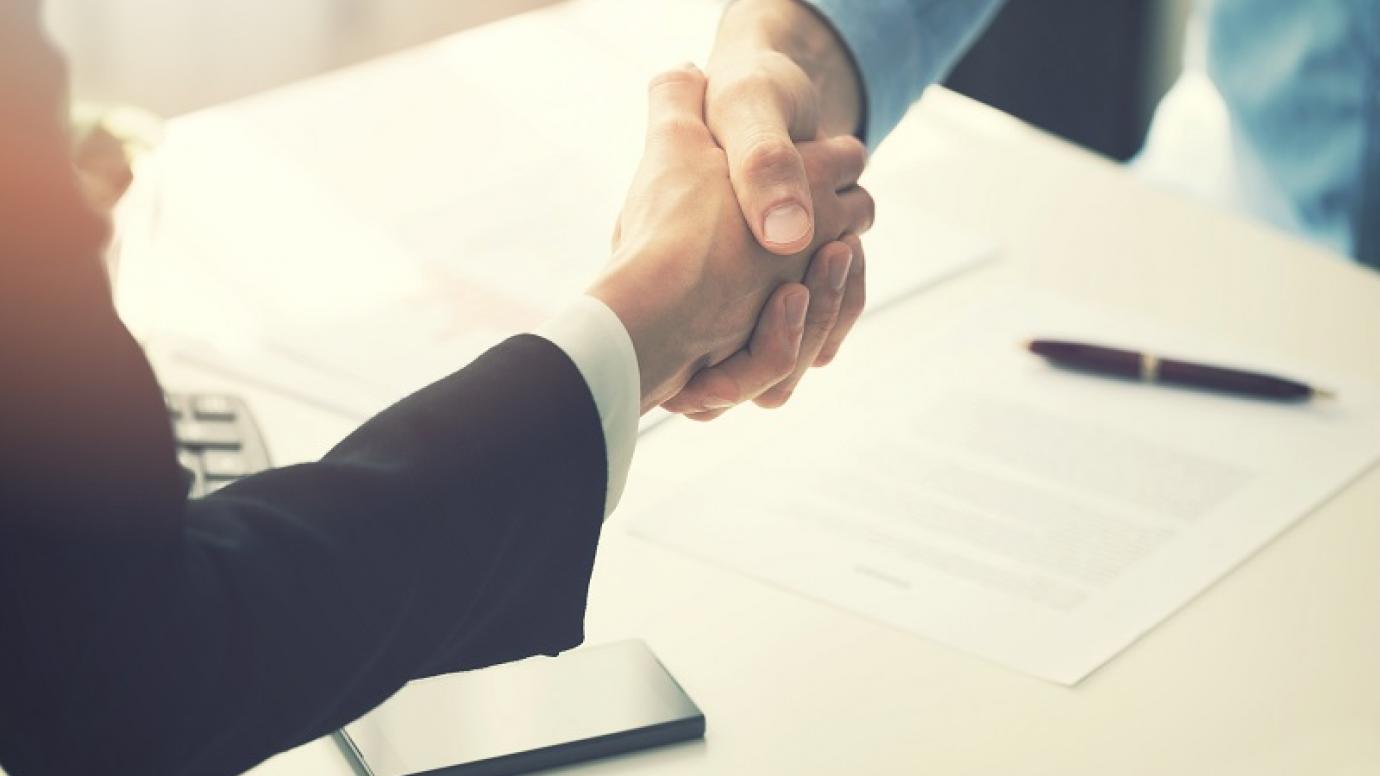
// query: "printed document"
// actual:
[[972, 493]]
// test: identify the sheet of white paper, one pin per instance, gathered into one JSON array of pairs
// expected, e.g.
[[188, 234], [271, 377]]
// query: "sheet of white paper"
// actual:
[[1039, 518], [350, 238]]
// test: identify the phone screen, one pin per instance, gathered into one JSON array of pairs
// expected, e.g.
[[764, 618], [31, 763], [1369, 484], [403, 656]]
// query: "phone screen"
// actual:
[[519, 717]]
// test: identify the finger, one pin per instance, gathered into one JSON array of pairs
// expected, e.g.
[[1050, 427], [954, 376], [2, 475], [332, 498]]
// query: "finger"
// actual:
[[675, 107], [704, 417], [827, 278], [854, 300], [859, 210], [770, 356], [839, 160], [753, 122]]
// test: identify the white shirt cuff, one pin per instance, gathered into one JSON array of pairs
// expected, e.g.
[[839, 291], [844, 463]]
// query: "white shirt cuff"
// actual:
[[596, 340]]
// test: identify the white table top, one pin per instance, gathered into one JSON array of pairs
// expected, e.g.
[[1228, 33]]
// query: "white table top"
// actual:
[[1273, 670]]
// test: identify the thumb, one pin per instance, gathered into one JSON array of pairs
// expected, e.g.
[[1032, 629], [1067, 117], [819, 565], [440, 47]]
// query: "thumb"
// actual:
[[768, 175]]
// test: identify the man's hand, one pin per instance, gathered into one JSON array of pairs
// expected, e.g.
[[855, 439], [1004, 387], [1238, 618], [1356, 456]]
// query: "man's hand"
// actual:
[[689, 280], [780, 76], [767, 371]]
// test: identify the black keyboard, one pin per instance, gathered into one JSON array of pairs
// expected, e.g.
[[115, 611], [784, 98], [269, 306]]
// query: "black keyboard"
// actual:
[[217, 440]]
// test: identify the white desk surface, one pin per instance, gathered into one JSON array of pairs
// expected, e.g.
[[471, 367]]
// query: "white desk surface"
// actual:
[[1274, 670]]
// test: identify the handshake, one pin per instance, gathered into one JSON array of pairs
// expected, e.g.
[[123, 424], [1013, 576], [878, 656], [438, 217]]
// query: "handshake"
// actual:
[[736, 268]]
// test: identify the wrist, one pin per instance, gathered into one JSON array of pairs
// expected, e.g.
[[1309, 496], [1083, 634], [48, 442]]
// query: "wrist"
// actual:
[[655, 321], [799, 32]]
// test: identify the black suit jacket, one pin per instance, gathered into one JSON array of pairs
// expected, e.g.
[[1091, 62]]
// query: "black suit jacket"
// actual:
[[143, 633]]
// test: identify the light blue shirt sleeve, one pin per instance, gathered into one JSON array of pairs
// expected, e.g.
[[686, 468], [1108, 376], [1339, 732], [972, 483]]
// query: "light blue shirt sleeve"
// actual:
[[902, 46], [1301, 81]]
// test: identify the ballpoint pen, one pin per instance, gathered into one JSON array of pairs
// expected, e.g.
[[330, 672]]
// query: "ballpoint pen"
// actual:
[[1152, 368]]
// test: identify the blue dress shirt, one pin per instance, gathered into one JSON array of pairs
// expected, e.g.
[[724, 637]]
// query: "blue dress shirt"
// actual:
[[1301, 82]]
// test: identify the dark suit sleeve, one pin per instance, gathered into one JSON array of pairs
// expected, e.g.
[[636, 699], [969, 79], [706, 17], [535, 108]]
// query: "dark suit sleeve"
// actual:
[[144, 633]]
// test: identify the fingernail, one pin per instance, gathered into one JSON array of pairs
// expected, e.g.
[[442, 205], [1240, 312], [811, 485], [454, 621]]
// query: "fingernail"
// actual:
[[786, 224], [717, 404], [838, 271], [795, 310]]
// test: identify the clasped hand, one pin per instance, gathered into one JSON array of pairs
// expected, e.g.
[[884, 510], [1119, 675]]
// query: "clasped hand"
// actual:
[[715, 318]]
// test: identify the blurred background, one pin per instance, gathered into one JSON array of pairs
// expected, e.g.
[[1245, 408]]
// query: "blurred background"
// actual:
[[173, 56]]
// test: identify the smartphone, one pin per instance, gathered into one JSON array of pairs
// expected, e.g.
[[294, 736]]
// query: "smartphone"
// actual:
[[526, 716]]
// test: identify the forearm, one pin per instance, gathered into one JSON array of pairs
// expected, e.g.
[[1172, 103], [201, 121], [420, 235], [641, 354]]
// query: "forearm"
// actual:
[[455, 530], [798, 32]]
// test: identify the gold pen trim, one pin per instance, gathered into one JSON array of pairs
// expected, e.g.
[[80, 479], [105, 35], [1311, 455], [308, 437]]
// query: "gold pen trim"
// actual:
[[1149, 367]]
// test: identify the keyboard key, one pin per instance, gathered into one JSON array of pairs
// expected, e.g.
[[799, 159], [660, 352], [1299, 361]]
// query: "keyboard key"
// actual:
[[198, 434], [211, 407], [191, 470], [218, 441], [190, 460], [224, 464]]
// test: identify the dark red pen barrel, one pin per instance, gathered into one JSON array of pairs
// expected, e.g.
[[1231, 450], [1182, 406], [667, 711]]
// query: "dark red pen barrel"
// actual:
[[1231, 380], [1129, 363], [1094, 358]]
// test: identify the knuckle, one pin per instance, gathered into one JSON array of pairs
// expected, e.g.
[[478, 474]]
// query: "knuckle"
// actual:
[[674, 79], [774, 398], [778, 66], [770, 156], [853, 151], [680, 403], [718, 392], [744, 88], [867, 210], [836, 162]]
